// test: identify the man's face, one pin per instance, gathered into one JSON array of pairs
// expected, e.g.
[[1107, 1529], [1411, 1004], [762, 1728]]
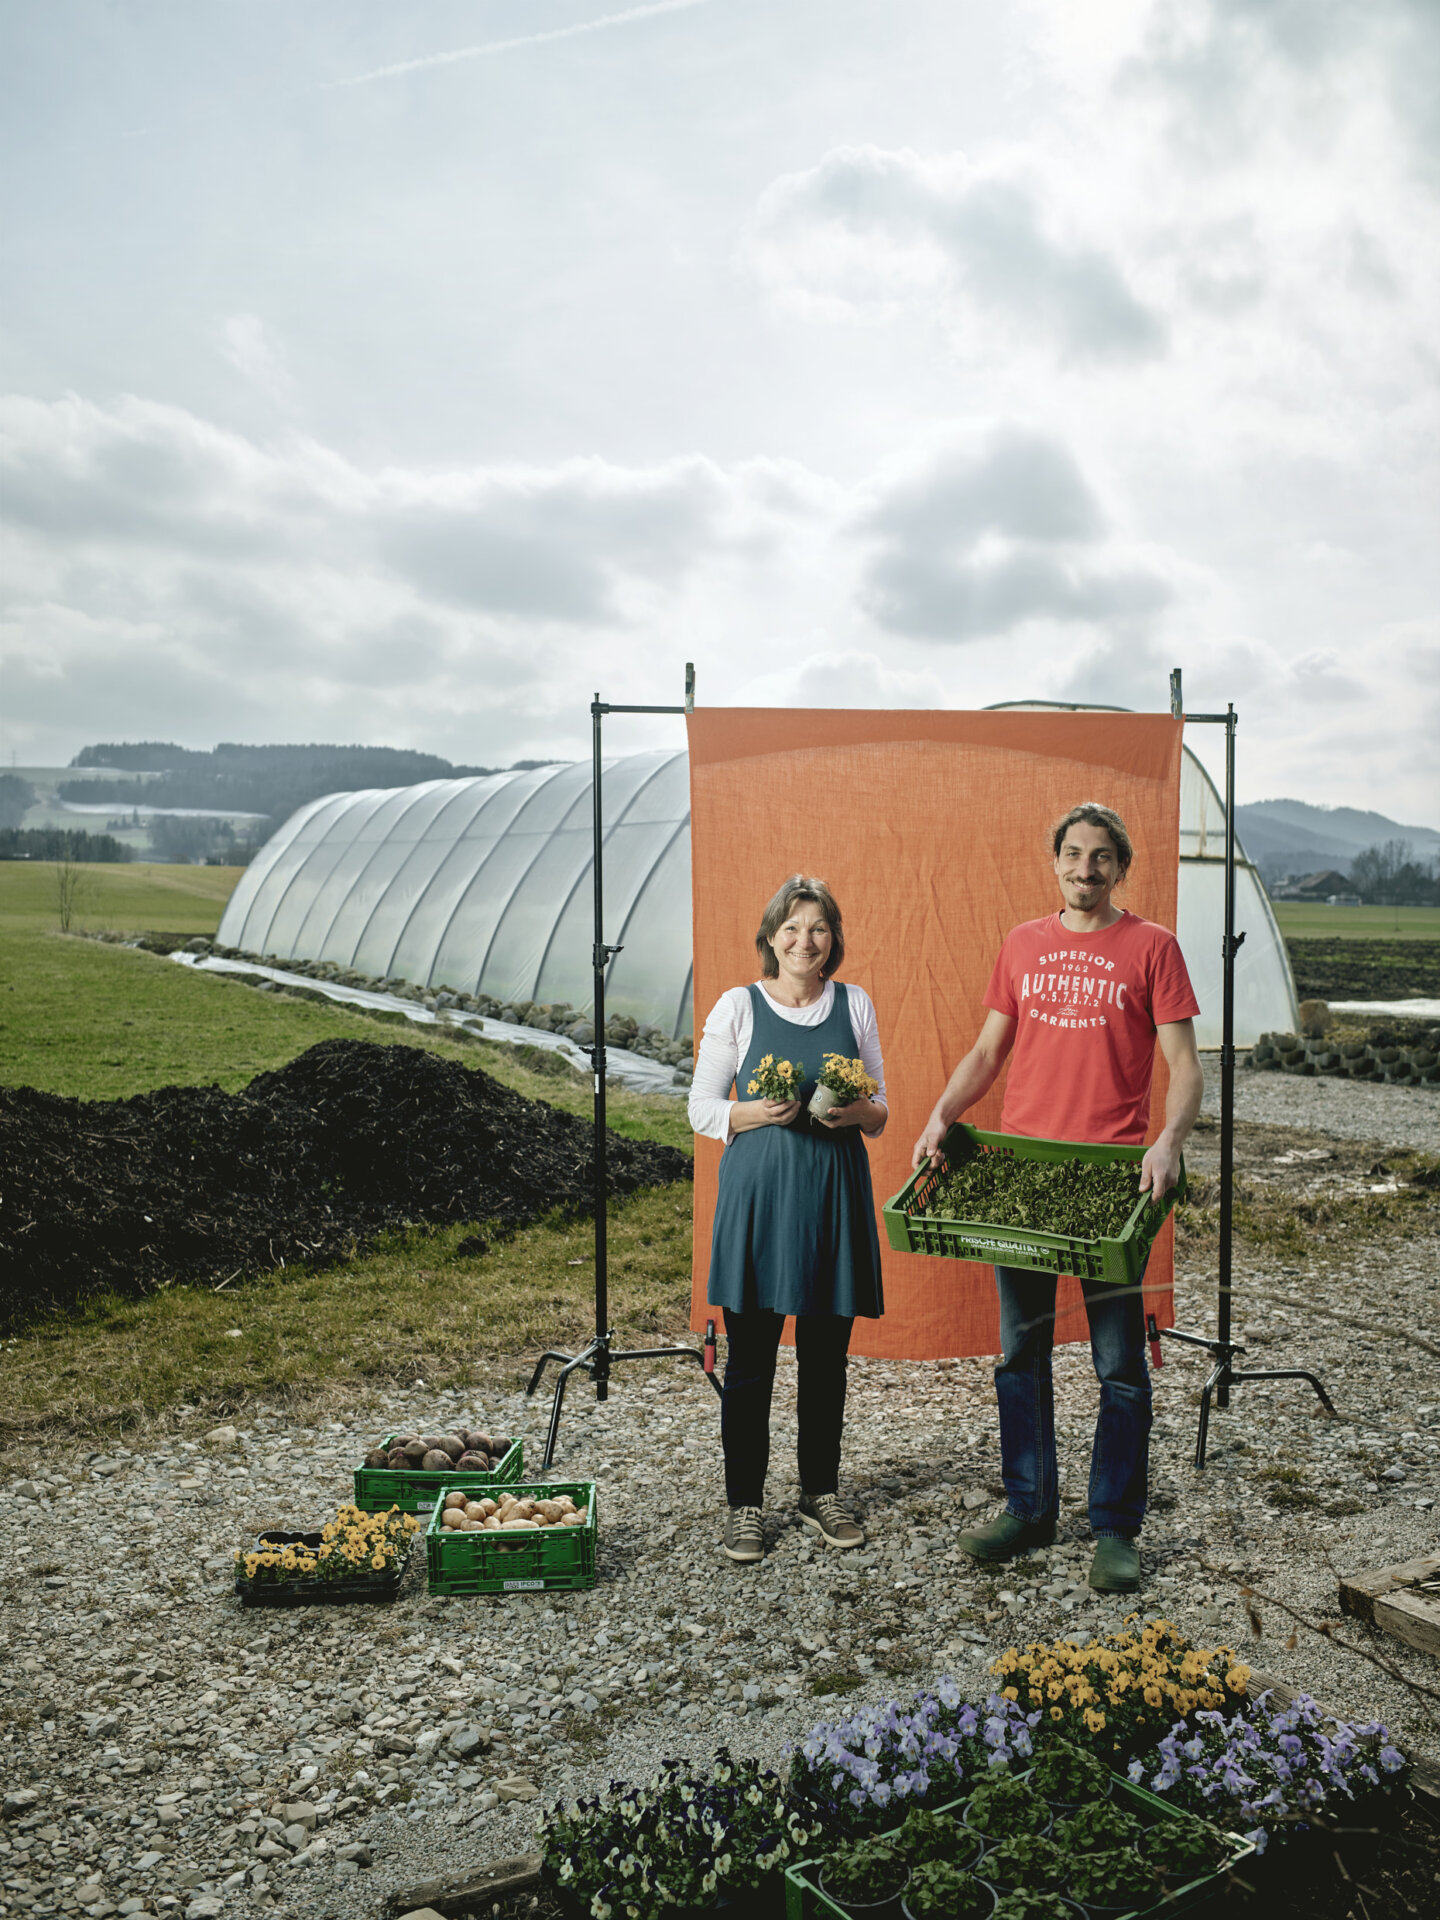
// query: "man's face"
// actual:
[[1087, 867]]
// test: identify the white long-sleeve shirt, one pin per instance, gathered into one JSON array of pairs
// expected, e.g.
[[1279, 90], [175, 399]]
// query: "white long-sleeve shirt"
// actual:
[[726, 1041]]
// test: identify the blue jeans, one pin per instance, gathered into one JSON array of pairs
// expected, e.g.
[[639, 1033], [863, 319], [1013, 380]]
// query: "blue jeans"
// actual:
[[1120, 1460]]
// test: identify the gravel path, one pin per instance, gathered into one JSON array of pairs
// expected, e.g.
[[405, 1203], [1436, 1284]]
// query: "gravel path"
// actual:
[[194, 1759], [1346, 1109]]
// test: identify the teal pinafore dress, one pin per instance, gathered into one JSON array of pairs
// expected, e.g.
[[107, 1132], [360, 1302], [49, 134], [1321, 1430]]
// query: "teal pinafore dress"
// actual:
[[795, 1214]]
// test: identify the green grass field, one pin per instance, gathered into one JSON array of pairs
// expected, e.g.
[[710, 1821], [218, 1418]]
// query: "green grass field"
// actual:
[[413, 1309], [102, 1022], [1299, 920]]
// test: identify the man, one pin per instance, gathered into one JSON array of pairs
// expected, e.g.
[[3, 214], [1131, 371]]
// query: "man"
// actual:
[[1076, 1003]]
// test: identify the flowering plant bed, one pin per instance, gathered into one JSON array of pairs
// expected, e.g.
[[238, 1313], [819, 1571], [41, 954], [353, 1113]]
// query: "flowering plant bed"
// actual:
[[682, 1840], [1270, 1771], [357, 1556], [1055, 1206], [1112, 1695], [856, 1775]]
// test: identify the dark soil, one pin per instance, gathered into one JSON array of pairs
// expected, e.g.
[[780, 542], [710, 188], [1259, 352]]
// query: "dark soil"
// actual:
[[1328, 969], [305, 1166]]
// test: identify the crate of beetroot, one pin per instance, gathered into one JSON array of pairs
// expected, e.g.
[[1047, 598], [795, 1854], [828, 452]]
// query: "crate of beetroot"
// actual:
[[532, 1539], [407, 1470], [1054, 1206]]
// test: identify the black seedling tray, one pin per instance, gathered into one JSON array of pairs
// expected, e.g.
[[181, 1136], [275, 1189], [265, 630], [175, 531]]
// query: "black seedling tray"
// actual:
[[316, 1593]]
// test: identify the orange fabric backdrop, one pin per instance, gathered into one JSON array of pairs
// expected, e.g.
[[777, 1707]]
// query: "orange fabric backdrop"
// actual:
[[931, 830]]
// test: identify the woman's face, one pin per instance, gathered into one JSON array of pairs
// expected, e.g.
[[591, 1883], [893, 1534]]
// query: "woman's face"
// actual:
[[802, 944]]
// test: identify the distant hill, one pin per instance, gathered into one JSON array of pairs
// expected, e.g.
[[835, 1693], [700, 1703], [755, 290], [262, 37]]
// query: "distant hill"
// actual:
[[229, 778], [1291, 836]]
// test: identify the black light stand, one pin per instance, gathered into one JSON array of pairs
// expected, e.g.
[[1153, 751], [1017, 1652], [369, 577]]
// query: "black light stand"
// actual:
[[598, 1358], [1222, 1349]]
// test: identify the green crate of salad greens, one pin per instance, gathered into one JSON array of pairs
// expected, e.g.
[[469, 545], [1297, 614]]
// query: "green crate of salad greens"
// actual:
[[1055, 1206]]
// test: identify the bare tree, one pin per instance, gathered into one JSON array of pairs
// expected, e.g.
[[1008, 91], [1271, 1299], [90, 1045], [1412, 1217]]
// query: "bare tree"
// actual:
[[73, 886]]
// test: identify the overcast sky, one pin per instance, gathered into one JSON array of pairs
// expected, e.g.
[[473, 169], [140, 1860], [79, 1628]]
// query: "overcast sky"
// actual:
[[404, 374]]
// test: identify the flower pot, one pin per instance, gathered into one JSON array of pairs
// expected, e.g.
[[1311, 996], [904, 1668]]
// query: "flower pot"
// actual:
[[982, 1911], [822, 1100], [886, 1909]]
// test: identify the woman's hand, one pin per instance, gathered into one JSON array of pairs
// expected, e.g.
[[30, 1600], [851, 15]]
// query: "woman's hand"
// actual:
[[869, 1114], [747, 1114]]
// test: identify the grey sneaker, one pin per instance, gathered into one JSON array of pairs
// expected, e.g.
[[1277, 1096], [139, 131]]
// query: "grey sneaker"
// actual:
[[1007, 1538], [835, 1524], [744, 1537]]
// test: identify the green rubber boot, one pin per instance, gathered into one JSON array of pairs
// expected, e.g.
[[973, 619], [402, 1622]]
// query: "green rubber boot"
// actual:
[[1007, 1538], [1116, 1566]]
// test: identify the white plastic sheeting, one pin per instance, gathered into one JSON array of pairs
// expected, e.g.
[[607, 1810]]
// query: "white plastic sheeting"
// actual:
[[484, 885], [1264, 985], [634, 1069]]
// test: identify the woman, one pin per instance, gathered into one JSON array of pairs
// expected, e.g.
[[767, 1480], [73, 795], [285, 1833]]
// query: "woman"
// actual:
[[794, 1215]]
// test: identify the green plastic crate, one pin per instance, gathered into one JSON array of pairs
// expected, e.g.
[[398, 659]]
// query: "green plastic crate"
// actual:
[[805, 1901], [553, 1560], [1119, 1260], [377, 1489]]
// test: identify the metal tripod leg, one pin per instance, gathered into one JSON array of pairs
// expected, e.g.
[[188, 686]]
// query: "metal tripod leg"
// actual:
[[597, 1360], [1224, 1375]]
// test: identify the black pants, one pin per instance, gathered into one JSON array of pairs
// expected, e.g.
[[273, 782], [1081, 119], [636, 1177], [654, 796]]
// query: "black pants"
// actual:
[[821, 1343]]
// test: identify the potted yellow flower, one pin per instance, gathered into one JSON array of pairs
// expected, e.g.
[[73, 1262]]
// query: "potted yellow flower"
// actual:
[[776, 1079], [357, 1556], [841, 1081]]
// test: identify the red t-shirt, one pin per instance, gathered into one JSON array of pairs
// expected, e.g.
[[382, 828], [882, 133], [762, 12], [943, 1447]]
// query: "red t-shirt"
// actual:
[[1086, 1006]]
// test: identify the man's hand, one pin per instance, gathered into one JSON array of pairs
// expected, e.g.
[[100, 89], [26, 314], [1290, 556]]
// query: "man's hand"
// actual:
[[927, 1147], [974, 1077], [1159, 1170]]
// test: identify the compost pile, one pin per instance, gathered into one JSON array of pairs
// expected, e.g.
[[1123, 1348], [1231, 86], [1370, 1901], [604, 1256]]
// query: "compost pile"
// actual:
[[1085, 1200], [303, 1166]]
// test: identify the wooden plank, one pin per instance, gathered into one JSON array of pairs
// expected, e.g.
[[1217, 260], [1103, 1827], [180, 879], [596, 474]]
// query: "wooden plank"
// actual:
[[1411, 1617], [469, 1893], [1360, 1591]]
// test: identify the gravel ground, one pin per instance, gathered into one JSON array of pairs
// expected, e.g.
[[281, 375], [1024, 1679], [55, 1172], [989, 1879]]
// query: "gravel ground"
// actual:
[[191, 1758], [1347, 1109]]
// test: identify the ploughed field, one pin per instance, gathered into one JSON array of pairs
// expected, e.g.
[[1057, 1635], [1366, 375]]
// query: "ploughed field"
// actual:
[[1337, 968], [304, 1166]]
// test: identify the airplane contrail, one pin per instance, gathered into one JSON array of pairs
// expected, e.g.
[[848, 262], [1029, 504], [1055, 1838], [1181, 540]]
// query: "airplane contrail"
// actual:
[[523, 40]]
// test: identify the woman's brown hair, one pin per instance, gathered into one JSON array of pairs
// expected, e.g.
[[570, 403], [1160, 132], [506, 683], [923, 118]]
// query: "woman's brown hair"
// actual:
[[799, 887]]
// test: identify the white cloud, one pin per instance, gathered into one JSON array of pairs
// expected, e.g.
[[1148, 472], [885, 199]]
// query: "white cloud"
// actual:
[[851, 679], [254, 351], [872, 229], [986, 534]]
